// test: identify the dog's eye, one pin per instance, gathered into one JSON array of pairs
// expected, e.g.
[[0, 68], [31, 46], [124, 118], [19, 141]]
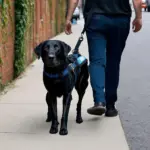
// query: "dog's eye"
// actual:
[[46, 49], [58, 51], [56, 46]]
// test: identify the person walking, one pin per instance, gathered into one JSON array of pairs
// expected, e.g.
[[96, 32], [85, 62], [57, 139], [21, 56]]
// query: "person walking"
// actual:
[[148, 5], [107, 32]]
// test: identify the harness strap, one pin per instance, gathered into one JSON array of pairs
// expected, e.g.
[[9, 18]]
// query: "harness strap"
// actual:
[[74, 68], [55, 76]]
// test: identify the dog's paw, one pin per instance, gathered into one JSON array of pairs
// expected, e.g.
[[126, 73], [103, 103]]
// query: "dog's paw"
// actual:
[[63, 131], [79, 120], [48, 120], [53, 130]]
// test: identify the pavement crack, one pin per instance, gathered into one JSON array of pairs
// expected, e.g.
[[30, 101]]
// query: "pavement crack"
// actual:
[[16, 133]]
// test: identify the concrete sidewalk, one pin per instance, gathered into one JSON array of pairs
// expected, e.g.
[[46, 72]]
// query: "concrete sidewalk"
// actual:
[[23, 112]]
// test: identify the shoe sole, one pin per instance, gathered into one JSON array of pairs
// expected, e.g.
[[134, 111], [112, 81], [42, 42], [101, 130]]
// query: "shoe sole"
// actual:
[[111, 114], [97, 111]]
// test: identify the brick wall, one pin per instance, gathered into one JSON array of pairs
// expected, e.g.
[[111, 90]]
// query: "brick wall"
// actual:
[[7, 48], [48, 20]]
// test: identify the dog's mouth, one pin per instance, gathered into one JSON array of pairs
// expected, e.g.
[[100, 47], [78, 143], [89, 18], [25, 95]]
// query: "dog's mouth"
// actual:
[[53, 65]]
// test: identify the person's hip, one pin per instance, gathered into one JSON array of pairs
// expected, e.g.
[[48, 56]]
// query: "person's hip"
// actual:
[[105, 22]]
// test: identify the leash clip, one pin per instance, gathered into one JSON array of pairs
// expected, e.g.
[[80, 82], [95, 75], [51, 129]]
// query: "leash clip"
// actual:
[[76, 49], [81, 37]]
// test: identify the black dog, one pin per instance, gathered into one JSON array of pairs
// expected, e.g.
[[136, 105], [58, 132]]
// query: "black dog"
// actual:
[[60, 82]]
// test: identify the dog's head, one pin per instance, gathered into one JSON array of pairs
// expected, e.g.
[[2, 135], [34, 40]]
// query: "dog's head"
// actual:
[[53, 52]]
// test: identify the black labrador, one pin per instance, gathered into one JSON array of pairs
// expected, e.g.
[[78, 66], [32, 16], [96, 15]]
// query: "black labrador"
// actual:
[[60, 82]]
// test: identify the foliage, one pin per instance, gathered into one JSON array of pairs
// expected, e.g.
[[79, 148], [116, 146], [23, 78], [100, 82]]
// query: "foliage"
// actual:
[[5, 19], [22, 23]]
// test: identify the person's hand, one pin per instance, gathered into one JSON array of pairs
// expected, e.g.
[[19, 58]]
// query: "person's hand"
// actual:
[[137, 24], [68, 27]]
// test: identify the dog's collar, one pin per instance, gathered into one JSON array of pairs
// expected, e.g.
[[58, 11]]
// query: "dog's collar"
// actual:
[[57, 75], [71, 68]]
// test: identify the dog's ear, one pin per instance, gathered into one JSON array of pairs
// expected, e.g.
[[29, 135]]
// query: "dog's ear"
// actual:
[[66, 47], [38, 49]]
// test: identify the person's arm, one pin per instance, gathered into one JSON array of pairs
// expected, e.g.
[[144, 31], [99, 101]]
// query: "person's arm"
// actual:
[[137, 22], [138, 8], [72, 5]]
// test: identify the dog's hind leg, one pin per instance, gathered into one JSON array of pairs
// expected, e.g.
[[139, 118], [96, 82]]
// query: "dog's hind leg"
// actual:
[[49, 113], [81, 88], [79, 104], [66, 106], [52, 103]]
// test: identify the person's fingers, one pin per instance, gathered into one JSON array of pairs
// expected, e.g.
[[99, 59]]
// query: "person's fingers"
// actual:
[[135, 30], [68, 29], [138, 27], [133, 27], [68, 32]]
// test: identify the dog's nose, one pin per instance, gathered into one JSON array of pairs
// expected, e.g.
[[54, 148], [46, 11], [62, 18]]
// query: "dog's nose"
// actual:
[[51, 56]]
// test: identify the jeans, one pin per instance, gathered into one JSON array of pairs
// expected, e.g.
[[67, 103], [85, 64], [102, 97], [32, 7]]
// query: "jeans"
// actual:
[[106, 36]]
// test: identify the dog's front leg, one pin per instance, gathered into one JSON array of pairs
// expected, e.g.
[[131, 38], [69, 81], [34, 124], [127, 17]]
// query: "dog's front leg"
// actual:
[[53, 107], [49, 113], [66, 106]]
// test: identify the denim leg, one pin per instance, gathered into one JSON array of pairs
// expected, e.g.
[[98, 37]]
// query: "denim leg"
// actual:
[[115, 46], [97, 50]]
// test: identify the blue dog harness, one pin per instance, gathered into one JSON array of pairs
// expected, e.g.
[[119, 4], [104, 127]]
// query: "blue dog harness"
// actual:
[[73, 67], [55, 76]]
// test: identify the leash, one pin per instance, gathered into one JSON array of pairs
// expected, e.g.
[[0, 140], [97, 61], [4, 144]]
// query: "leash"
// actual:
[[87, 22]]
